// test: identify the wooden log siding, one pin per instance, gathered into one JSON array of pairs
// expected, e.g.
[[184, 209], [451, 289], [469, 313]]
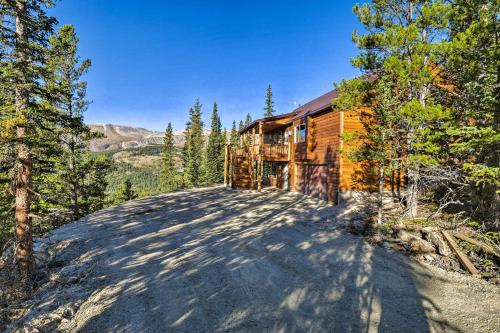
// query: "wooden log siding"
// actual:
[[353, 174], [319, 166]]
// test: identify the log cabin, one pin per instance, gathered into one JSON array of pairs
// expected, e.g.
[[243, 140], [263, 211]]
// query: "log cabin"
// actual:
[[298, 151]]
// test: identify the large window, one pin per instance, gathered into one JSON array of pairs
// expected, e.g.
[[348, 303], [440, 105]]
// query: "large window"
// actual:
[[300, 133]]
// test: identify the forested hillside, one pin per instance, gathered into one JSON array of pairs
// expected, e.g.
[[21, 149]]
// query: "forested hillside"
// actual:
[[142, 166]]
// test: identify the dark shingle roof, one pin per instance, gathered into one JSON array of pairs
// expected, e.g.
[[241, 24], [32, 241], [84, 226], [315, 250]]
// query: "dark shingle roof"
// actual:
[[315, 106]]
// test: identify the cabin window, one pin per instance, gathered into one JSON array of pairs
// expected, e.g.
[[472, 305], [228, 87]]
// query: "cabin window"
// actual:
[[300, 133]]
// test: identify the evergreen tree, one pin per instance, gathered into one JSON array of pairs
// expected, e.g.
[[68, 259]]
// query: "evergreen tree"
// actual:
[[67, 187], [241, 126], [269, 109], [471, 66], [93, 190], [25, 30], [403, 43], [169, 176], [234, 138], [377, 146], [214, 157], [126, 191], [248, 119], [187, 137], [194, 148]]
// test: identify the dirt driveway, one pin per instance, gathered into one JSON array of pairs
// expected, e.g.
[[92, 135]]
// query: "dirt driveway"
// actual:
[[215, 260]]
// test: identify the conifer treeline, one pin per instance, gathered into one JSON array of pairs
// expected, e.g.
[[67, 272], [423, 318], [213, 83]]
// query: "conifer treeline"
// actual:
[[202, 160]]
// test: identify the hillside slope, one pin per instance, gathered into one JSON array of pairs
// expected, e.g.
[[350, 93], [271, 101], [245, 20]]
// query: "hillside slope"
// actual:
[[123, 137]]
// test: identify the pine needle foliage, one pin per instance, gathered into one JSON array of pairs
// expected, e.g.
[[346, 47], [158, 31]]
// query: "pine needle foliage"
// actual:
[[193, 151], [170, 177], [214, 157], [269, 109]]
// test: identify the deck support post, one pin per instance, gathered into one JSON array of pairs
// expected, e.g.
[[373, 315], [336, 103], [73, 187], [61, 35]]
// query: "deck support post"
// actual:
[[226, 166], [260, 169]]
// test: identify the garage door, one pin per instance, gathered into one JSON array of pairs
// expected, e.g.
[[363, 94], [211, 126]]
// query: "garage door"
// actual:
[[312, 180]]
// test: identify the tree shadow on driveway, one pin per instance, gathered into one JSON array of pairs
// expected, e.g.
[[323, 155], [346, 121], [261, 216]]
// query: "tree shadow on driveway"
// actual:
[[215, 260]]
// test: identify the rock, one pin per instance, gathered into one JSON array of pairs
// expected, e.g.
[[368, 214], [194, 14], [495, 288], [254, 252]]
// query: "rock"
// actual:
[[450, 263], [429, 257], [427, 230], [421, 246], [405, 236], [434, 236]]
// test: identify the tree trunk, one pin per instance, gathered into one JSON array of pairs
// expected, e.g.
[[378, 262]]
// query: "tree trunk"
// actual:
[[412, 193], [381, 180], [75, 207], [380, 194], [24, 232]]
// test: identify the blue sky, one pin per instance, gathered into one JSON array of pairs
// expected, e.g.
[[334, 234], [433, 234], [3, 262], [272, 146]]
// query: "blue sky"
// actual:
[[152, 59]]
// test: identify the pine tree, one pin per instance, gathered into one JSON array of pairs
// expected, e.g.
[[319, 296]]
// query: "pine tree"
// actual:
[[471, 66], [169, 176], [68, 99], [222, 155], [126, 192], [194, 148], [93, 191], [376, 147], [234, 138], [214, 157], [248, 119], [269, 109], [403, 43], [25, 30], [187, 137], [242, 139]]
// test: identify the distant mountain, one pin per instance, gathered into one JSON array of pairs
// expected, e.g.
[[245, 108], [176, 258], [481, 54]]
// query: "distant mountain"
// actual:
[[121, 137]]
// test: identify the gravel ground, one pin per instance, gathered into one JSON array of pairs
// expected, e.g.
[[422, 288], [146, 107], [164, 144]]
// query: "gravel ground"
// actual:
[[216, 260]]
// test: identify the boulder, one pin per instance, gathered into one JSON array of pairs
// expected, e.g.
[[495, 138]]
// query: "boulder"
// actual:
[[405, 236], [434, 236], [421, 246]]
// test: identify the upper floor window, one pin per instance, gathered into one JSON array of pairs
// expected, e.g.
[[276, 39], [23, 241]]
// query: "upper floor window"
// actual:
[[300, 133]]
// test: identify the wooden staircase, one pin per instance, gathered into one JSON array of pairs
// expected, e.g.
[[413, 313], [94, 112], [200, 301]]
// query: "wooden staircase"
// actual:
[[243, 173]]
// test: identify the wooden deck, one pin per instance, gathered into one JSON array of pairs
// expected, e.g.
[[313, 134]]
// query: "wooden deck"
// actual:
[[269, 152], [276, 152]]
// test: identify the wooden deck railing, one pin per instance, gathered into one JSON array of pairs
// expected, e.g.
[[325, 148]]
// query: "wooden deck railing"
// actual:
[[270, 152], [275, 152]]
